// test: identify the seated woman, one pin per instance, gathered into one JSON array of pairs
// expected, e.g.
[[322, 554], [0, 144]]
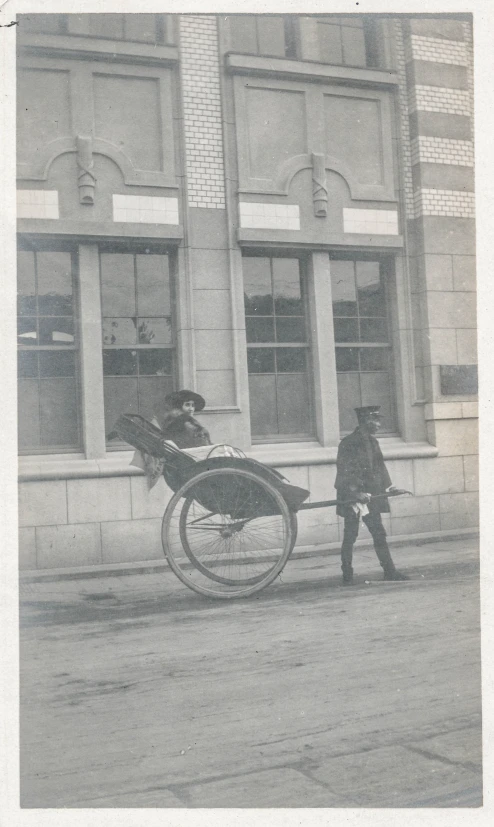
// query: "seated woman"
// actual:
[[180, 427], [178, 423]]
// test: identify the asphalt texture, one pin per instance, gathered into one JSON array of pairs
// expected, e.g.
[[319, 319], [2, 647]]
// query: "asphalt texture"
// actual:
[[136, 692]]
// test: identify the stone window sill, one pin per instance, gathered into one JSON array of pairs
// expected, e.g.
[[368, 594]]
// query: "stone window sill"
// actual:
[[116, 51], [117, 464], [308, 70]]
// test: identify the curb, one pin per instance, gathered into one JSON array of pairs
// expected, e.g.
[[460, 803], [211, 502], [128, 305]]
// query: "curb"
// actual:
[[160, 566]]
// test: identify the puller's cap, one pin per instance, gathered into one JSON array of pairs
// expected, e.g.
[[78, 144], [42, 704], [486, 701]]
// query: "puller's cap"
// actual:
[[367, 410]]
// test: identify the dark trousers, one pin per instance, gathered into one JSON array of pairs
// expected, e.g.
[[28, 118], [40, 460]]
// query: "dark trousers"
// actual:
[[374, 523]]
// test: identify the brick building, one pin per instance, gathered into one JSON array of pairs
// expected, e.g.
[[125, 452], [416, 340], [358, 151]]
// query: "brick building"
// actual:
[[276, 211]]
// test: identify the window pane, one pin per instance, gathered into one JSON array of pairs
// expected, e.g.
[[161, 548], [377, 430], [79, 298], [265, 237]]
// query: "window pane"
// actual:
[[56, 331], [106, 25], [371, 299], [348, 399], [259, 329], [243, 33], [156, 362], [343, 288], [346, 330], [353, 46], [26, 331], [290, 330], [28, 413], [57, 363], [330, 43], [45, 23], [260, 360], [376, 390], [346, 358], [293, 404], [118, 284], [27, 364], [290, 359], [262, 391], [153, 285], [119, 362], [120, 397], [270, 35], [26, 284], [257, 286], [152, 393], [54, 284], [58, 412], [140, 27], [154, 331], [373, 330], [373, 358], [119, 331], [287, 288]]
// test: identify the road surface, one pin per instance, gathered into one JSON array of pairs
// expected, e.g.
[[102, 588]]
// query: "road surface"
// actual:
[[136, 692]]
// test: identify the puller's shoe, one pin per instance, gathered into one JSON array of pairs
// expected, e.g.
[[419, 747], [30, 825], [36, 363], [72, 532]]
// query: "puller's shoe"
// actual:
[[347, 579], [395, 575]]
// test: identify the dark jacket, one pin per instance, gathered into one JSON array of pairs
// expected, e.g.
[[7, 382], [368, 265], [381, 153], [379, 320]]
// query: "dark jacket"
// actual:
[[360, 467]]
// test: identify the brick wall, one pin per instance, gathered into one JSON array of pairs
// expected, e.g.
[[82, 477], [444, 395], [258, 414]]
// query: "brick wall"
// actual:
[[201, 103], [403, 104]]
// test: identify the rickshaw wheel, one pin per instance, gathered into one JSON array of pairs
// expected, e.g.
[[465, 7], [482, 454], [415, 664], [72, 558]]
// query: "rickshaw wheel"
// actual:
[[228, 533]]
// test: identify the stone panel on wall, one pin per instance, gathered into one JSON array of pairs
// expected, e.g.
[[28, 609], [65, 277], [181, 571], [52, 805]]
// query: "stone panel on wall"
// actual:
[[121, 106], [354, 136], [35, 126]]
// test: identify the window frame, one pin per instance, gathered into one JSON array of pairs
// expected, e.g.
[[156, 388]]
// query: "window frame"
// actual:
[[55, 244], [386, 270], [291, 35], [302, 257], [138, 248], [88, 319]]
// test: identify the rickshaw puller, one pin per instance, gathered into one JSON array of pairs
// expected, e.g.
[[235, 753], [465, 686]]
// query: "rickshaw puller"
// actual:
[[360, 474]]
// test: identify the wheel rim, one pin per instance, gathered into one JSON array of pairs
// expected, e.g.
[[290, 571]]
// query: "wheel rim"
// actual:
[[234, 551]]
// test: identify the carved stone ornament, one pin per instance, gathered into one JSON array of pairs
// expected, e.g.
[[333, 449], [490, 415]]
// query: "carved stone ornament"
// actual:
[[319, 186], [85, 164]]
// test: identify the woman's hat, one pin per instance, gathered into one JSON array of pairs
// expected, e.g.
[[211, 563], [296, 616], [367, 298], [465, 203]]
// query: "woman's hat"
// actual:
[[177, 399]]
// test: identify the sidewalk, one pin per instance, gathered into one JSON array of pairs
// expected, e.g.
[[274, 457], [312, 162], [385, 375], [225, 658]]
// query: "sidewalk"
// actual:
[[418, 557]]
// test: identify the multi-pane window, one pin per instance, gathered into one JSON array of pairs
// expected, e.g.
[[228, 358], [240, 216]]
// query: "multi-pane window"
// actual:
[[348, 41], [138, 356], [362, 340], [47, 350], [264, 34], [141, 28], [277, 347]]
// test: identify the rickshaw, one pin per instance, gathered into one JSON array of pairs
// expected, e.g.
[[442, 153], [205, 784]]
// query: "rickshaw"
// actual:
[[231, 523]]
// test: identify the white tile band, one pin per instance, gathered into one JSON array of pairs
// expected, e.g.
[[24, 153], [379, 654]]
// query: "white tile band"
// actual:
[[370, 222], [37, 204], [269, 216], [145, 209]]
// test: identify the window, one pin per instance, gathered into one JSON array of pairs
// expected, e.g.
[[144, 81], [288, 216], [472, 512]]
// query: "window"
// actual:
[[264, 34], [361, 331], [348, 41], [138, 355], [141, 28], [277, 348], [47, 350]]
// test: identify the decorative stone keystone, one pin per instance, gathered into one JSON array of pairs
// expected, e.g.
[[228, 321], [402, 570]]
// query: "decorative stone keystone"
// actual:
[[85, 163], [319, 187]]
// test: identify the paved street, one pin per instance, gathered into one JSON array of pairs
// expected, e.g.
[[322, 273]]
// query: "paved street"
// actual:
[[138, 693]]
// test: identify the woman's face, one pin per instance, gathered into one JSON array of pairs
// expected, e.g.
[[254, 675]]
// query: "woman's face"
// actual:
[[189, 407]]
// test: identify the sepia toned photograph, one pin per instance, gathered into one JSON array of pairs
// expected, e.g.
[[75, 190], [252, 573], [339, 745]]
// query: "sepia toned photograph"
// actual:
[[247, 411]]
